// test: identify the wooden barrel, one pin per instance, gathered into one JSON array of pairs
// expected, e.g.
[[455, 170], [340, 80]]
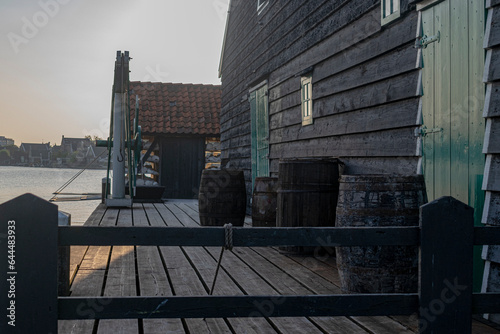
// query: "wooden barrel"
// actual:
[[372, 201], [307, 196], [264, 202], [222, 197]]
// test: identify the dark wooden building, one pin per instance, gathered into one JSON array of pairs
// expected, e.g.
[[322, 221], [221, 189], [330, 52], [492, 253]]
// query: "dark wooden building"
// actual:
[[178, 120], [388, 86]]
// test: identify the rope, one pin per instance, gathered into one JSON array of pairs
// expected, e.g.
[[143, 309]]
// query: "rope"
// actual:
[[228, 244], [61, 188], [228, 236]]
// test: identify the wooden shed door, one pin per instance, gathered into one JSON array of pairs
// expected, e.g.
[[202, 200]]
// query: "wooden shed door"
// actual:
[[182, 161], [453, 132], [260, 132]]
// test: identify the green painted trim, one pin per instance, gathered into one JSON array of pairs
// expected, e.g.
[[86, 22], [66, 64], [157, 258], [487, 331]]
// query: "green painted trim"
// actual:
[[395, 15]]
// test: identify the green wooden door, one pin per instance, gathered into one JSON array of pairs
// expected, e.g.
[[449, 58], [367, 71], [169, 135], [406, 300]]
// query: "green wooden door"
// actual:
[[260, 132], [453, 131]]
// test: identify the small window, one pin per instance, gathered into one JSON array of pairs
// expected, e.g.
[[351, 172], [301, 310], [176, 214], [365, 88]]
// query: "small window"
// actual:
[[261, 4], [306, 98], [390, 10]]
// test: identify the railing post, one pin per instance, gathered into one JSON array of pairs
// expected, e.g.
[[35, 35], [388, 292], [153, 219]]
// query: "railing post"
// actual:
[[63, 259], [447, 232], [28, 269]]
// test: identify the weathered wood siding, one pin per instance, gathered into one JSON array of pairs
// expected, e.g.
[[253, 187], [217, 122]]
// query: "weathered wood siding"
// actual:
[[182, 161], [365, 83], [491, 181]]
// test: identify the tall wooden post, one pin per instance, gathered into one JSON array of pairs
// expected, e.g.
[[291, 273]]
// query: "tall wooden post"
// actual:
[[120, 91], [447, 236], [28, 269]]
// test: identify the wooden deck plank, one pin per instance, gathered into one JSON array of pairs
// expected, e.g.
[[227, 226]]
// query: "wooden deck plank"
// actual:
[[120, 281], [96, 216], [181, 216], [139, 216], [205, 265], [188, 210], [279, 271], [295, 264], [253, 284], [125, 217], [110, 217], [121, 278], [168, 217], [153, 280], [186, 283], [154, 217], [382, 325], [290, 271], [77, 254], [88, 279], [86, 283], [96, 258], [184, 280]]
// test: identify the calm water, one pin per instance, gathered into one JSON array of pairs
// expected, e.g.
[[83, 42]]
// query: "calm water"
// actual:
[[15, 181]]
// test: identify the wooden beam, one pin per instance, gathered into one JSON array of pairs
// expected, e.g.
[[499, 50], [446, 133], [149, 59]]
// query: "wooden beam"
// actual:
[[242, 237], [239, 306]]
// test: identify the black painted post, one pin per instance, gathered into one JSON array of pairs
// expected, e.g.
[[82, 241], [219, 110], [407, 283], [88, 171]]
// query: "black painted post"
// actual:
[[28, 269], [63, 259], [447, 235]]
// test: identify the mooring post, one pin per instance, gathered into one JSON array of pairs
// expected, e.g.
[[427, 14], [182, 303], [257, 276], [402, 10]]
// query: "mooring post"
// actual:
[[446, 249], [28, 269]]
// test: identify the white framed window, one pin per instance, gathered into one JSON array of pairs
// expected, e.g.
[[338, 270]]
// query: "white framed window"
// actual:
[[390, 10], [306, 99], [261, 4]]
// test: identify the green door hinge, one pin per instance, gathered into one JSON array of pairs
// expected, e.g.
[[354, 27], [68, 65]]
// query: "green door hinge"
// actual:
[[423, 131], [422, 42]]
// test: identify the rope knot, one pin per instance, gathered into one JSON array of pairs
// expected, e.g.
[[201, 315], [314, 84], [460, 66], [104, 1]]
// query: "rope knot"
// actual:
[[228, 236]]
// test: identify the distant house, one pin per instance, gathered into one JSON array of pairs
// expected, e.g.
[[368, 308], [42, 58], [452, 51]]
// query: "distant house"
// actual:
[[36, 154], [6, 141], [98, 156], [178, 120], [388, 86], [75, 149]]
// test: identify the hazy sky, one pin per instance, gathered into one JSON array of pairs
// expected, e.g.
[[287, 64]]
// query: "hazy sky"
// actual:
[[57, 58]]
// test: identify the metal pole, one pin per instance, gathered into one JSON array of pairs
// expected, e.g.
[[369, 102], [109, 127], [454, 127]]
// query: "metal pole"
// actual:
[[118, 187]]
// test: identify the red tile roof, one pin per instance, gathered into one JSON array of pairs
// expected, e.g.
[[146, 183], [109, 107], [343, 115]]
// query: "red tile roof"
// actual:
[[173, 108]]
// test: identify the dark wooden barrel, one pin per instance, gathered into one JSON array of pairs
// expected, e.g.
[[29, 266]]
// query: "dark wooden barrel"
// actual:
[[307, 196], [372, 201], [264, 202], [222, 197]]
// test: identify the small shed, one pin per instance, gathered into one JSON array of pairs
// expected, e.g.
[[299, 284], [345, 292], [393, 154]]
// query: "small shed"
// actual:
[[179, 121]]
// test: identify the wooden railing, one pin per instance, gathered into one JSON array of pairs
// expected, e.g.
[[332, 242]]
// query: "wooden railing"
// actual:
[[444, 302]]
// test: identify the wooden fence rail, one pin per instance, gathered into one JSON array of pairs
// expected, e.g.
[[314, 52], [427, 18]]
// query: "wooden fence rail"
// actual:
[[30, 237]]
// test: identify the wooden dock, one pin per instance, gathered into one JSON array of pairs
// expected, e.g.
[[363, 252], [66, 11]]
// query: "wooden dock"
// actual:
[[189, 271]]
